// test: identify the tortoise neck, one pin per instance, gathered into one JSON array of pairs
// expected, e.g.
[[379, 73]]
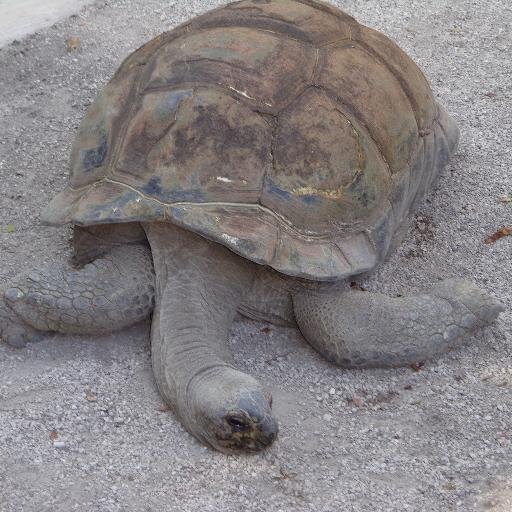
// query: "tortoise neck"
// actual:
[[199, 287]]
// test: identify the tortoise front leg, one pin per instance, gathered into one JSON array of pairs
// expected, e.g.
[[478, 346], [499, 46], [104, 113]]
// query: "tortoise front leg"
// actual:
[[110, 293], [200, 285], [357, 329]]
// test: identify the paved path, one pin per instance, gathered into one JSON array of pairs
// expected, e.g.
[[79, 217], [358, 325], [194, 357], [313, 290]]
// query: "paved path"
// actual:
[[19, 18]]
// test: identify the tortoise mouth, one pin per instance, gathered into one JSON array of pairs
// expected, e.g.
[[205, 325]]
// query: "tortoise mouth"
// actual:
[[251, 442], [241, 432]]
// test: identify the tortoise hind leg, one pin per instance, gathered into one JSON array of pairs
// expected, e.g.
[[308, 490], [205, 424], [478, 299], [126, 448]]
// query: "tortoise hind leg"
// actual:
[[110, 293], [359, 329]]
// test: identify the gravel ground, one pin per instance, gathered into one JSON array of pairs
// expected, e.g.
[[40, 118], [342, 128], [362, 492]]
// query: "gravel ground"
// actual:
[[82, 425]]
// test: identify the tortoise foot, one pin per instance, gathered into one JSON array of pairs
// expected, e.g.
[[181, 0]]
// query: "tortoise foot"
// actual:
[[359, 329], [13, 330]]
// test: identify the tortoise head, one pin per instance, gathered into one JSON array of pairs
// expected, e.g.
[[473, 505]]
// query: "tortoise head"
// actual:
[[237, 420]]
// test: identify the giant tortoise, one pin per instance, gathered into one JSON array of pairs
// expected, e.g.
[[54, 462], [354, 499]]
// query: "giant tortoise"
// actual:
[[252, 160]]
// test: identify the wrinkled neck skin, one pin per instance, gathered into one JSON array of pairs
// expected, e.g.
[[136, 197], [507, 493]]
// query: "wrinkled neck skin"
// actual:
[[200, 285]]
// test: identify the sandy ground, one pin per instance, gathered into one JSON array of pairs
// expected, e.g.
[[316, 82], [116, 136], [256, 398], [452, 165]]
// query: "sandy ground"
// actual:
[[80, 425]]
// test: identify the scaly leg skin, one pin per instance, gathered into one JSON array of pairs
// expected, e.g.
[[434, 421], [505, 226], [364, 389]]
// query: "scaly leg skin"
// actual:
[[359, 329], [110, 293], [200, 285]]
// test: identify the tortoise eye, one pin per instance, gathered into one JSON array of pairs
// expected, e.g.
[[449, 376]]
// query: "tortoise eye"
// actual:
[[237, 424]]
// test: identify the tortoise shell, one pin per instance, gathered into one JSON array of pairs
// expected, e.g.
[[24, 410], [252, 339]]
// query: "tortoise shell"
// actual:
[[282, 129]]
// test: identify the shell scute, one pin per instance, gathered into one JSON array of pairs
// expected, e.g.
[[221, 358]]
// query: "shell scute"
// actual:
[[292, 19], [98, 131], [373, 94], [411, 79], [323, 157], [195, 145], [248, 231], [259, 66]]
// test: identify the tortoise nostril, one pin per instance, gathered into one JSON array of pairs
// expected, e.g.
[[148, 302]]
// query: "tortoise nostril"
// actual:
[[270, 429]]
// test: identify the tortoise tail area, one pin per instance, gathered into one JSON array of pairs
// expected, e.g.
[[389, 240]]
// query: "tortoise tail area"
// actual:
[[450, 132], [439, 145]]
